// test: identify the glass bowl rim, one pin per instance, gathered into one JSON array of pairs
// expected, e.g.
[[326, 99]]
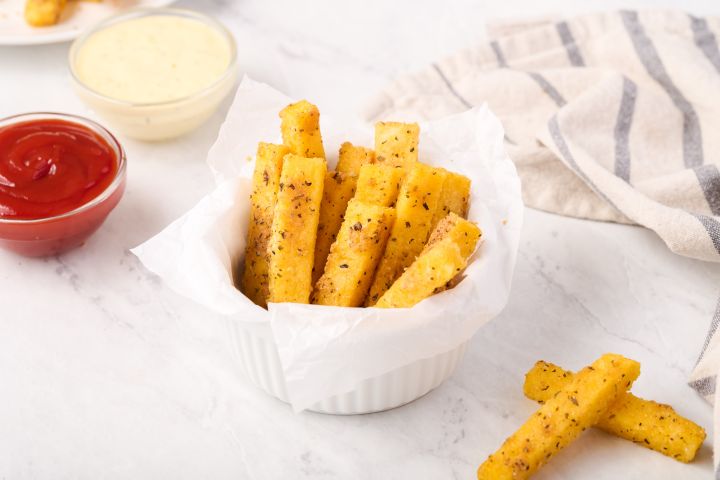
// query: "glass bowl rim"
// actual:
[[140, 12]]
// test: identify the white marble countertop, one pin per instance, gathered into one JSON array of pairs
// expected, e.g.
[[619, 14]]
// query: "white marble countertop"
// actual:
[[105, 373]]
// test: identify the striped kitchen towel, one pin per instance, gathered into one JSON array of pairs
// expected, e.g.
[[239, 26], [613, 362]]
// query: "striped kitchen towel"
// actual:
[[611, 116]]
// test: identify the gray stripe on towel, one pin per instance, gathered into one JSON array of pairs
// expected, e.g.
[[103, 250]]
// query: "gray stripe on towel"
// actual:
[[713, 228], [709, 178], [648, 55], [704, 386], [502, 63], [622, 129], [562, 146], [548, 88], [455, 93], [705, 40], [573, 53], [711, 332]]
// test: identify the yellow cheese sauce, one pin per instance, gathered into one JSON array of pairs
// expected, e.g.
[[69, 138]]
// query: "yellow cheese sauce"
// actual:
[[153, 59]]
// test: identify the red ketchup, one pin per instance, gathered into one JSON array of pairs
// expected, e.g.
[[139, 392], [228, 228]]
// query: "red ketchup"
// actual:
[[51, 170], [49, 167]]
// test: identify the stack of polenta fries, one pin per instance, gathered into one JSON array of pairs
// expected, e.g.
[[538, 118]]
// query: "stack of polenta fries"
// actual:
[[381, 230], [596, 396]]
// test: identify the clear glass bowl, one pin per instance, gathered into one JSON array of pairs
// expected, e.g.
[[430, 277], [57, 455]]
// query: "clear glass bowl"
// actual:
[[52, 235], [162, 120]]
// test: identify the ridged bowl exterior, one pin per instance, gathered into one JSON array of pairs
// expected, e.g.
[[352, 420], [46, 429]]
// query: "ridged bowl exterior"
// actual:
[[261, 362]]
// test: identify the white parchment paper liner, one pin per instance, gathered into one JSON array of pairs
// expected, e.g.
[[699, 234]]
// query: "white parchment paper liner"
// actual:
[[327, 351]]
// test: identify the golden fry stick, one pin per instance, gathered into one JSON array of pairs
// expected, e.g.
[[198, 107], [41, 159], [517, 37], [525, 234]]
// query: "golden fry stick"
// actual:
[[561, 419], [454, 198], [647, 423], [432, 270], [266, 178], [396, 143], [416, 204], [442, 260], [41, 13], [464, 233], [354, 255], [379, 184], [352, 158], [300, 127], [458, 230], [294, 228], [339, 189]]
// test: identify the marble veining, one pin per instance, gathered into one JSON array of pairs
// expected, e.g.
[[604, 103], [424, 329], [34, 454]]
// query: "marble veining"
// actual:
[[106, 373]]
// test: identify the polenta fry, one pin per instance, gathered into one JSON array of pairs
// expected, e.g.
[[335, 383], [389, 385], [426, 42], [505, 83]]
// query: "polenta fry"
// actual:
[[458, 230], [42, 13], [266, 178], [454, 198], [339, 189], [379, 184], [579, 405], [416, 204], [442, 260], [396, 143], [354, 255], [647, 423], [430, 271], [300, 128], [352, 158], [294, 228]]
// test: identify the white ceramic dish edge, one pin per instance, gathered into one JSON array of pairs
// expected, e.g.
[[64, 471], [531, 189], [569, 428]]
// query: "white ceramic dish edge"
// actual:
[[261, 363]]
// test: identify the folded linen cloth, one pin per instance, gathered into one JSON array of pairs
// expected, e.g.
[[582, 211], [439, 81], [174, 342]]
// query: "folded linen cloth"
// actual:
[[609, 116]]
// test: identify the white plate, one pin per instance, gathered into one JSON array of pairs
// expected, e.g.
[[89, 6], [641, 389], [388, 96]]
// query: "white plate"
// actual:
[[76, 17]]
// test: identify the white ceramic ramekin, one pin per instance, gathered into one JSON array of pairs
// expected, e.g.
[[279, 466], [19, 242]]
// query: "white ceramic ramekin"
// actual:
[[261, 363]]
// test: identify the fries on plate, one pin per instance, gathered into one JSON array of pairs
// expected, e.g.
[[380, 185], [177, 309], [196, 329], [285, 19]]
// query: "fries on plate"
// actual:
[[42, 13]]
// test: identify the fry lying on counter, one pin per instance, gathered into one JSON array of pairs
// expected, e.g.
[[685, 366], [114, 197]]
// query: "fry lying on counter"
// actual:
[[381, 229], [649, 424], [596, 396]]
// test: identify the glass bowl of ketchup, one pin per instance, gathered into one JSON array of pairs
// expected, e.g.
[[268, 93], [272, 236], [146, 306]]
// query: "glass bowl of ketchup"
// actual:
[[60, 177]]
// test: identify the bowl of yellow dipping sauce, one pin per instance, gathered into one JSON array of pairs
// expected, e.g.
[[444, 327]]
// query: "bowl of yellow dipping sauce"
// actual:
[[155, 73]]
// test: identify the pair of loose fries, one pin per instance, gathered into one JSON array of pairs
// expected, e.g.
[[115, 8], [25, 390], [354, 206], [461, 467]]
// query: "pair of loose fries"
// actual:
[[595, 396], [644, 422]]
